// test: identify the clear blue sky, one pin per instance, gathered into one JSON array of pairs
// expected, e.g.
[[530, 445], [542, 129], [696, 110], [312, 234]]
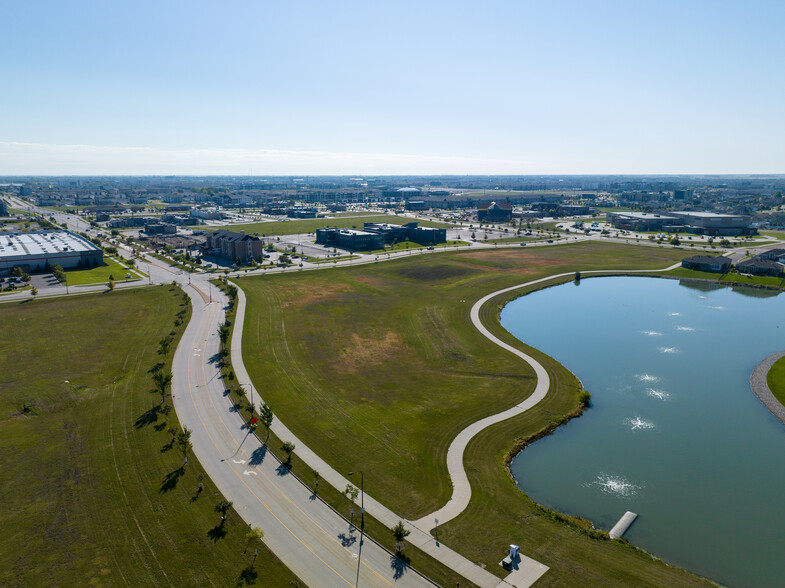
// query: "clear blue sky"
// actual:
[[252, 86]]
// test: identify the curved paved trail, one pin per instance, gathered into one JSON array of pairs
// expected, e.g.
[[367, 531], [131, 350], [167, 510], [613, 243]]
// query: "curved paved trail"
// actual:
[[760, 386], [462, 490], [529, 570]]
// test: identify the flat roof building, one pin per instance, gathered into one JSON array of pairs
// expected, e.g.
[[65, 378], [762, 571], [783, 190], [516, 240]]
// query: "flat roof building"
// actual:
[[700, 223], [350, 239], [408, 232], [35, 251]]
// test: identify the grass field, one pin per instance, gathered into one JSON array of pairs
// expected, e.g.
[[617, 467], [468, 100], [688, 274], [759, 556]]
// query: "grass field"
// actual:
[[407, 245], [776, 380], [100, 274], [91, 485], [389, 356], [309, 225]]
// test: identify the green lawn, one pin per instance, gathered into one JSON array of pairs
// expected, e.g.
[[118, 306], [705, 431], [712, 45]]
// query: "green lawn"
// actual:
[[407, 245], [309, 225], [90, 483], [729, 278], [776, 380], [100, 274], [390, 358]]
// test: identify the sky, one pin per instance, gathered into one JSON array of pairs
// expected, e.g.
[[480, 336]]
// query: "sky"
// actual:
[[254, 87]]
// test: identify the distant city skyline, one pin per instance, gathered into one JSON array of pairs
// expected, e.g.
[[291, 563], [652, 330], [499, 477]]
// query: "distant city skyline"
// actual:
[[503, 87]]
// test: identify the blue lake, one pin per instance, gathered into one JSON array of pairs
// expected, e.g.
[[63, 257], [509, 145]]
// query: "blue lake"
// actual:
[[674, 432]]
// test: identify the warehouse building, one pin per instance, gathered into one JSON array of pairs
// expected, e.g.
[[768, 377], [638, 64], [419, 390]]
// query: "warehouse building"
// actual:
[[36, 251]]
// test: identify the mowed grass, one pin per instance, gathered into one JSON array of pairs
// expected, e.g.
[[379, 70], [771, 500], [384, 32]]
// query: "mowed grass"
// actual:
[[729, 278], [309, 225], [90, 485], [378, 367], [100, 274], [776, 380]]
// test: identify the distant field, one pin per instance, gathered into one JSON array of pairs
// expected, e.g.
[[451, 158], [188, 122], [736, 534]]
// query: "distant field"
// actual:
[[90, 486], [310, 225], [390, 358]]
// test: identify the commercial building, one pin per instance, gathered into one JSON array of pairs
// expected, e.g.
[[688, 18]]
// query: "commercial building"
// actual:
[[710, 223], [206, 213], [408, 232], [707, 263], [36, 251], [699, 223], [494, 212], [3, 208], [350, 239], [233, 246], [644, 221]]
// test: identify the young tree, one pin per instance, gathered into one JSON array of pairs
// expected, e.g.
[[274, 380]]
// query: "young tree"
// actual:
[[162, 380], [254, 534], [184, 442], [399, 533], [110, 285], [164, 346], [287, 447], [351, 492], [266, 416], [223, 507], [33, 291], [223, 335]]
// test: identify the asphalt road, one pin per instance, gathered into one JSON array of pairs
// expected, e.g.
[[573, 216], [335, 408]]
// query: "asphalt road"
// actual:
[[321, 547]]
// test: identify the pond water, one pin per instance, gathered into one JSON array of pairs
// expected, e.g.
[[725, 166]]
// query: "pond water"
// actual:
[[674, 432]]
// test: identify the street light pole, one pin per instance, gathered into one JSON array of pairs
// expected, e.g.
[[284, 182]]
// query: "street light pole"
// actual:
[[362, 499]]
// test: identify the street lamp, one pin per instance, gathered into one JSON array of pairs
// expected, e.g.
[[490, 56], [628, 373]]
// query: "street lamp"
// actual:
[[362, 500]]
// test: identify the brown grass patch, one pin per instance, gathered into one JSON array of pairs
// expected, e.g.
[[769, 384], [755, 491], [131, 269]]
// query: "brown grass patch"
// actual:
[[306, 293], [511, 261], [361, 352]]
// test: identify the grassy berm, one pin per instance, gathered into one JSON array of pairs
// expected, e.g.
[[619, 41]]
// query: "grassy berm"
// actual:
[[378, 367], [93, 490]]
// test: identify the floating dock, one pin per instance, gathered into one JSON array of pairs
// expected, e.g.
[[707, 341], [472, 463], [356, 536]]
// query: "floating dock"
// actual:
[[624, 523]]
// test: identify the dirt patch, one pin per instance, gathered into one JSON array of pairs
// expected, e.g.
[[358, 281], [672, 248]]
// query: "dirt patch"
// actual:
[[304, 294], [436, 272], [513, 261], [361, 352], [372, 281]]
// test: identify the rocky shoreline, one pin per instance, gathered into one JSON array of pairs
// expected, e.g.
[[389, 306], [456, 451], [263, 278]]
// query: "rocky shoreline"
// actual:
[[761, 389]]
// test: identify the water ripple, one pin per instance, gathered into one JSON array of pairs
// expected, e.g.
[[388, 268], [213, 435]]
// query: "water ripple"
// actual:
[[658, 394], [638, 424], [647, 378], [615, 485]]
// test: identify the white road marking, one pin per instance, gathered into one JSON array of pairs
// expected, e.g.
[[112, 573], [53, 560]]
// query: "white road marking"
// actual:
[[238, 461], [249, 473]]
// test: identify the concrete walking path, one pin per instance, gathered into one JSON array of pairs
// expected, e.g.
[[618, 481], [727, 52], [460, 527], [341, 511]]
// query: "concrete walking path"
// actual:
[[529, 570]]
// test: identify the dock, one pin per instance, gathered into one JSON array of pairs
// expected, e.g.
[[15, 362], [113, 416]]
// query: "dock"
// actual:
[[624, 523]]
